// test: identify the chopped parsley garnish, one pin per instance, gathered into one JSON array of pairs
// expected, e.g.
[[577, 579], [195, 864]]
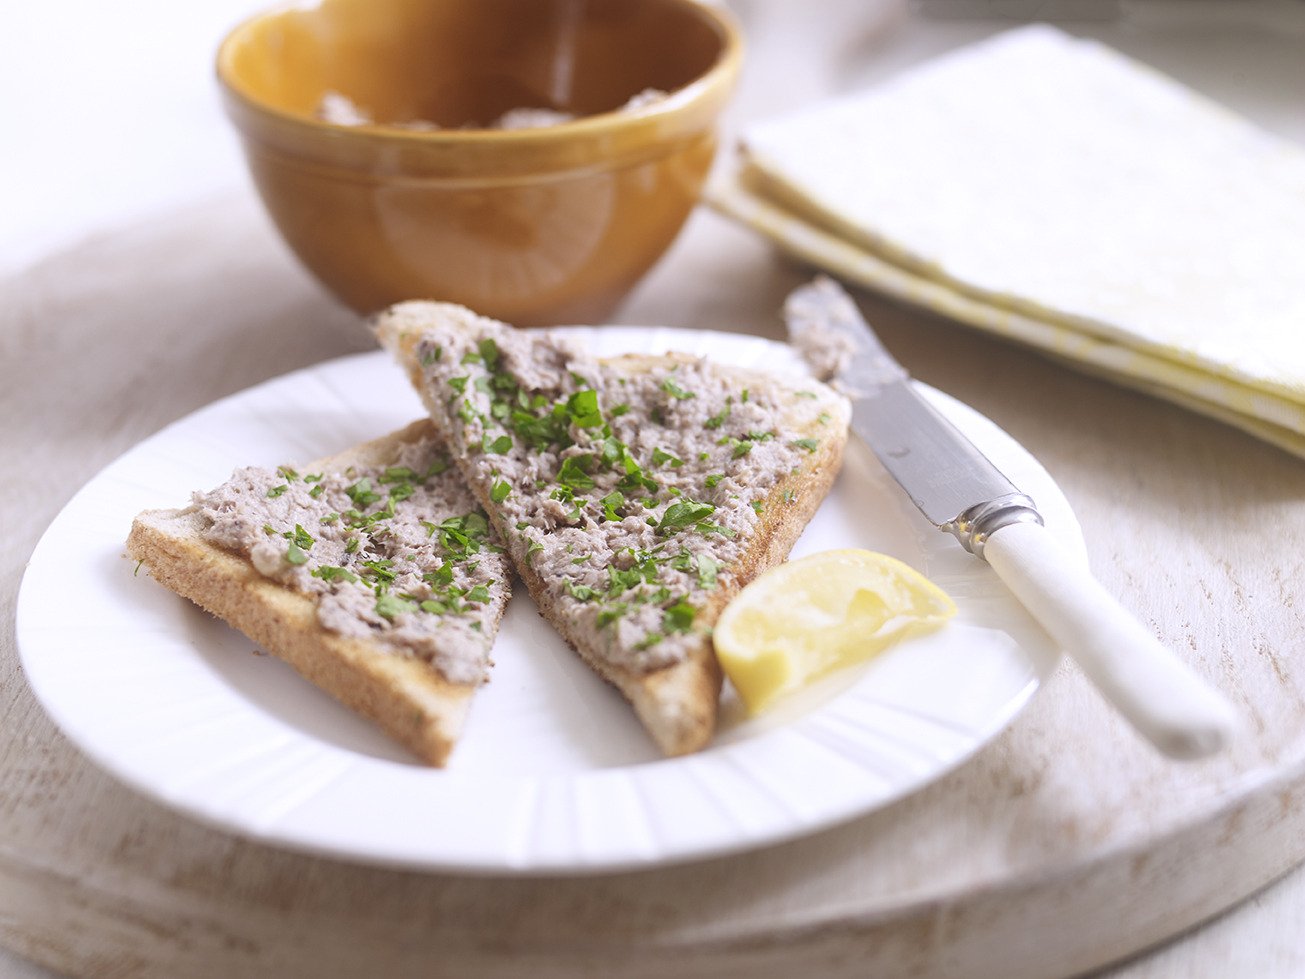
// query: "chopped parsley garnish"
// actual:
[[397, 474], [460, 536], [430, 355], [332, 572], [683, 514], [300, 537], [362, 494], [496, 446], [574, 474], [276, 491], [294, 554], [619, 410], [583, 409], [809, 444], [581, 593], [709, 527], [675, 391], [611, 613], [718, 419], [660, 457], [380, 571], [441, 577], [758, 505], [459, 384], [611, 503], [499, 491], [707, 571], [806, 394], [389, 606], [479, 595], [679, 617], [713, 480], [286, 473]]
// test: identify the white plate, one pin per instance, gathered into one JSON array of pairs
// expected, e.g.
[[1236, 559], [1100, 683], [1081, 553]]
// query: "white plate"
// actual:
[[553, 774]]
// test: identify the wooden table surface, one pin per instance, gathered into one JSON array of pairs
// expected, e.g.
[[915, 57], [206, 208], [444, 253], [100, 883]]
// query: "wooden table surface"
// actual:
[[1065, 845]]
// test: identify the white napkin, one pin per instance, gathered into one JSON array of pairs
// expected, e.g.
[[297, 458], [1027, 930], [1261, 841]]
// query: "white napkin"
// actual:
[[1050, 190]]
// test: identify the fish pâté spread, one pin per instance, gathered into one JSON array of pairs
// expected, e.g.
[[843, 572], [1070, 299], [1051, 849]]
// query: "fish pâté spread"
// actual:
[[632, 491], [400, 553]]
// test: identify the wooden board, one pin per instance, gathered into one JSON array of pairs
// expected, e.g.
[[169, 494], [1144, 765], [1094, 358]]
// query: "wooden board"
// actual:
[[1067, 844]]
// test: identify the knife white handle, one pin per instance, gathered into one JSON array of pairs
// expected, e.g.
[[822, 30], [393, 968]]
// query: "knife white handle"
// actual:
[[1177, 711]]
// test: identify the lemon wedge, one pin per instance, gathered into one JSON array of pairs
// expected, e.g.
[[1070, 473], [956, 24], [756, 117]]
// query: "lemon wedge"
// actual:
[[805, 618]]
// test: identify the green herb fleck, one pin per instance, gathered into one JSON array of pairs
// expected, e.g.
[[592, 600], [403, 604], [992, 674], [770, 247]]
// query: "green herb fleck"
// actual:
[[574, 474], [496, 446], [397, 474], [499, 491], [684, 514], [332, 572], [809, 444], [583, 409], [707, 571], [679, 617], [362, 494], [611, 613], [276, 491], [389, 606], [718, 419], [675, 391], [581, 593], [611, 502], [661, 457]]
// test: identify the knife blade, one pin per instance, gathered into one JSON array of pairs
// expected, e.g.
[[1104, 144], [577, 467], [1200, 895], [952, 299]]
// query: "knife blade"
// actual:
[[961, 492]]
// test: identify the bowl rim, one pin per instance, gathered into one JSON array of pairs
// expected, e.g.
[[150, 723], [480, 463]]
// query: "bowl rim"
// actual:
[[717, 77]]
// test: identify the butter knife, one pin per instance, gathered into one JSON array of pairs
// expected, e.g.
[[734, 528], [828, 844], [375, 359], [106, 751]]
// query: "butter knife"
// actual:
[[961, 492]]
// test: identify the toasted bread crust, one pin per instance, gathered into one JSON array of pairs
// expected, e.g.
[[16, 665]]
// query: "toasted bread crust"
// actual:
[[404, 696], [677, 704]]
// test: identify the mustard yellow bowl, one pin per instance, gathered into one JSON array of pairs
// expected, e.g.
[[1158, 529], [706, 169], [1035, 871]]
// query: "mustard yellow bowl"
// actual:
[[366, 125]]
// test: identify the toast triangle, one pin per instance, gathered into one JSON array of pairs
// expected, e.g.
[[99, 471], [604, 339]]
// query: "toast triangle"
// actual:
[[635, 495], [397, 685]]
